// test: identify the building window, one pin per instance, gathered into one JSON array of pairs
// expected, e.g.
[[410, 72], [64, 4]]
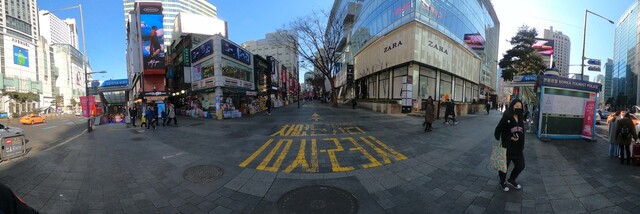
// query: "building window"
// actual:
[[427, 83], [383, 90], [459, 89], [398, 75], [372, 87], [445, 86]]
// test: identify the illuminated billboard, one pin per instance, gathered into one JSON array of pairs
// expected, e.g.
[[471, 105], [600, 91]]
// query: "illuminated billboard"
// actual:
[[475, 41], [543, 46], [20, 56], [152, 33]]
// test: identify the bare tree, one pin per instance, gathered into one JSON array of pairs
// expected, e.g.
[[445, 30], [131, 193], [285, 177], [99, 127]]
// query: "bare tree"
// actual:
[[317, 81], [316, 42]]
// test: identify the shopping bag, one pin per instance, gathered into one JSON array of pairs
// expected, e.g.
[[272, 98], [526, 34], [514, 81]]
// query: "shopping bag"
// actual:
[[498, 159]]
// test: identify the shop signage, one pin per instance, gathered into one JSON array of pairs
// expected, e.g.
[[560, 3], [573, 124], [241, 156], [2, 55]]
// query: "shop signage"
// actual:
[[438, 47], [252, 93], [233, 51], [156, 93], [236, 83], [186, 57], [202, 51], [563, 82], [156, 98], [20, 42], [525, 78], [392, 46], [208, 82], [118, 82]]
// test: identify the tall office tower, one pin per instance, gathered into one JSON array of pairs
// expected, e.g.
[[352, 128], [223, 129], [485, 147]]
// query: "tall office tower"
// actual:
[[18, 57]]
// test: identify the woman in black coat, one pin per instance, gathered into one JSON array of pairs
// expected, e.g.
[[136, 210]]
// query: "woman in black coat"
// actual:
[[510, 132]]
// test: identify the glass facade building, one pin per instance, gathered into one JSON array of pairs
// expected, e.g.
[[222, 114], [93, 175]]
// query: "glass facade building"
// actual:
[[449, 48], [625, 64]]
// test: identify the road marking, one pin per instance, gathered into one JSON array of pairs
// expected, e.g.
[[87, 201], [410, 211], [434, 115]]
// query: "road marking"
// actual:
[[301, 159], [67, 141], [255, 154], [335, 166], [315, 117], [374, 162], [170, 156], [49, 127], [267, 159], [276, 165]]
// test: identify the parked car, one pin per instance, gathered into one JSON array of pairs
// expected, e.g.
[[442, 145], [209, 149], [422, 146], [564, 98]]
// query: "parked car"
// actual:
[[32, 119]]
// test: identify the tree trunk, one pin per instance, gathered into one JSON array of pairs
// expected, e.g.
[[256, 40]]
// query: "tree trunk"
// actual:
[[334, 95]]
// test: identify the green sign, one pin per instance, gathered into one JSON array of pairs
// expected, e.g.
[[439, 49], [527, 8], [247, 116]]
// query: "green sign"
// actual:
[[186, 58]]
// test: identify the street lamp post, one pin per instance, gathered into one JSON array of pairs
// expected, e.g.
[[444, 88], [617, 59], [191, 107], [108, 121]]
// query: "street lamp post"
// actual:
[[84, 59], [584, 39]]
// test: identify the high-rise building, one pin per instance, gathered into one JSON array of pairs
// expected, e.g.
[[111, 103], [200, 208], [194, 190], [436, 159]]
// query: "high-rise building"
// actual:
[[18, 59], [272, 46], [562, 50], [579, 77], [171, 8], [625, 60], [450, 51], [608, 80], [57, 31]]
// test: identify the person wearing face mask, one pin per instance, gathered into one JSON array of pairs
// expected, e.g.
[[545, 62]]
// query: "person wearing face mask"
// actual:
[[510, 132]]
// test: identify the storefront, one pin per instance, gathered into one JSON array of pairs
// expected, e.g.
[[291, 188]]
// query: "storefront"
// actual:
[[222, 79], [415, 62]]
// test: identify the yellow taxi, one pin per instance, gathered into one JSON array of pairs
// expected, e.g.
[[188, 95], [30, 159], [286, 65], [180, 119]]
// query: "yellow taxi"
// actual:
[[32, 119]]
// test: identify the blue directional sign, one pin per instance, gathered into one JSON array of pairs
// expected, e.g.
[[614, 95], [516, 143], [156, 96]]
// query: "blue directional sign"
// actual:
[[593, 62], [594, 68]]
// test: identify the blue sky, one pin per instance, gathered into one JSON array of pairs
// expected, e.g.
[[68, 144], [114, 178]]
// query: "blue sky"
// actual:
[[251, 19]]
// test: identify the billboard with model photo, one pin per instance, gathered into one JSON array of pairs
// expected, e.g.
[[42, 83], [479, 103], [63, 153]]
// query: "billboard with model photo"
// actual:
[[20, 56], [152, 33]]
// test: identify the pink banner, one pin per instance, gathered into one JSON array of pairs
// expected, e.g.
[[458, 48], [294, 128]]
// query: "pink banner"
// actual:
[[83, 103], [587, 123]]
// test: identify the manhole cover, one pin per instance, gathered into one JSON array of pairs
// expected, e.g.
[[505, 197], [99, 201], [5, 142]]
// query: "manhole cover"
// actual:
[[202, 173], [137, 139], [317, 199], [196, 124]]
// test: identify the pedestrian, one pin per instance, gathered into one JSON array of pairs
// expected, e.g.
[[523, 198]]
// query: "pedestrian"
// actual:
[[429, 115], [151, 116], [625, 131], [164, 117], [172, 115], [11, 203], [510, 132], [487, 107], [133, 113], [353, 103], [144, 121], [613, 127], [268, 104], [450, 113]]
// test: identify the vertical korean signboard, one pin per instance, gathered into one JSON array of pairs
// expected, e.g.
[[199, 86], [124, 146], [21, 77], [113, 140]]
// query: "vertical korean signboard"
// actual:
[[587, 123], [152, 33]]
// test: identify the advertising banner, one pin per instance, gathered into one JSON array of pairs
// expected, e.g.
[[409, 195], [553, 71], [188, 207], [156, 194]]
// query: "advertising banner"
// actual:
[[152, 33], [85, 106], [587, 124], [543, 46], [475, 41], [20, 56], [202, 51]]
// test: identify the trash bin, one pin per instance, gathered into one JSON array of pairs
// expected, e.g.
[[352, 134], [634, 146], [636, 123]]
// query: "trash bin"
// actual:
[[12, 147]]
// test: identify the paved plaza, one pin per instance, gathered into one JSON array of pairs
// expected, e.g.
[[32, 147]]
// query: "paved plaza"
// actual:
[[339, 159]]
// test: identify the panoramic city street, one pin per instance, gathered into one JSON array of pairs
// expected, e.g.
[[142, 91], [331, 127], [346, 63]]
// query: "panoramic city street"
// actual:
[[371, 162]]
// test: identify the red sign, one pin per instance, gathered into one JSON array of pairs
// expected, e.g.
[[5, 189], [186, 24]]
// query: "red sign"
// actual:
[[587, 123], [85, 106], [8, 142]]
